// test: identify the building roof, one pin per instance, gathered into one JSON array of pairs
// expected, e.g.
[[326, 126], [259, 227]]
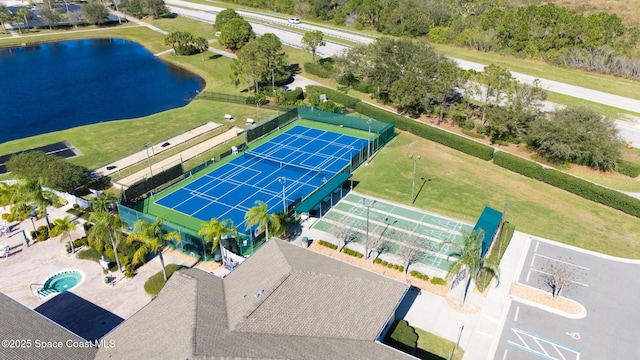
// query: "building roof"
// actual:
[[284, 302], [30, 332]]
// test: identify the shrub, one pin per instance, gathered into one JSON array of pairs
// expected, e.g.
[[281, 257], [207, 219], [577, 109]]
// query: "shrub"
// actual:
[[389, 265], [628, 168], [438, 281], [473, 134], [413, 272], [328, 244], [377, 260], [419, 275], [363, 87], [333, 95], [75, 206], [352, 253], [400, 268], [384, 263], [582, 188], [259, 99], [428, 132], [318, 70]]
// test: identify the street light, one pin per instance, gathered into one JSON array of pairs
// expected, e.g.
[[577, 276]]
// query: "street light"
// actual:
[[282, 181], [413, 184], [146, 146], [369, 142], [366, 243]]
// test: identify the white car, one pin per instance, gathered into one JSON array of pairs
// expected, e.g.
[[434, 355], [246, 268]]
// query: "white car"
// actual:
[[294, 21]]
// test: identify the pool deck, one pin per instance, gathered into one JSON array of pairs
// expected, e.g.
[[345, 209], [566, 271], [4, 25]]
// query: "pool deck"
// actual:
[[34, 264]]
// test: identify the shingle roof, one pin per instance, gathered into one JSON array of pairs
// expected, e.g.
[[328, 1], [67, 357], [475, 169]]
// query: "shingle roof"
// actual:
[[311, 307], [29, 331]]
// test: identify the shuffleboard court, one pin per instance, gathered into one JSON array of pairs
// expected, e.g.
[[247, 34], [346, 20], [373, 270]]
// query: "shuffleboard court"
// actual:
[[396, 224], [286, 168]]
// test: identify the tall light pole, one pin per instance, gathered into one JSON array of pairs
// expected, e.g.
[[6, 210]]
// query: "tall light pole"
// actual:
[[366, 242], [369, 142], [282, 181], [146, 146], [413, 184]]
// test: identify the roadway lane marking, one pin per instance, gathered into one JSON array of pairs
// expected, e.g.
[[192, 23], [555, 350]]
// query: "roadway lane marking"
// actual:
[[546, 273], [546, 349], [560, 261], [515, 318]]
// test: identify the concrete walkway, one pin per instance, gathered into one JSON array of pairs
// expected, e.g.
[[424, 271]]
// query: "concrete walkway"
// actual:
[[181, 157], [156, 149]]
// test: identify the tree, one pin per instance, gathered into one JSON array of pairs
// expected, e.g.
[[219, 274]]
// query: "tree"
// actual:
[[576, 135], [235, 34], [258, 215], [343, 230], [156, 8], [95, 12], [559, 275], [49, 16], [30, 190], [5, 16], [184, 43], [152, 239], [496, 82], [223, 17], [258, 60], [469, 257], [75, 18], [64, 227], [25, 14], [54, 172], [106, 226], [311, 41], [410, 250], [213, 230]]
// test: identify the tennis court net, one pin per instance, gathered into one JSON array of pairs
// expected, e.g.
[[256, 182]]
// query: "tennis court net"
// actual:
[[281, 163]]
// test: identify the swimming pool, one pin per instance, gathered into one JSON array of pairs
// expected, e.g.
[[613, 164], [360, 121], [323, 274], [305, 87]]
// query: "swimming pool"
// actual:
[[61, 282]]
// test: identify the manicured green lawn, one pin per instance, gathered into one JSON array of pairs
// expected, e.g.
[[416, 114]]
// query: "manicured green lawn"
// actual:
[[460, 186], [156, 282]]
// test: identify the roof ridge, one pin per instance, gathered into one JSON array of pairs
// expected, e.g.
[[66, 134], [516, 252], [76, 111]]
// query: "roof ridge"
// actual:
[[263, 295]]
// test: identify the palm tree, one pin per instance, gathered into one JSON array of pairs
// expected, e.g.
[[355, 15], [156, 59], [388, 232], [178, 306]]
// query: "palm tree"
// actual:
[[469, 255], [258, 215], [153, 239], [31, 190], [5, 16], [105, 228], [24, 13], [103, 203], [64, 227], [213, 231]]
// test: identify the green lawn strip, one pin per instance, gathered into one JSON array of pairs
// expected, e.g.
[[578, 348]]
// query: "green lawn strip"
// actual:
[[422, 344], [609, 111], [437, 345], [461, 186], [600, 82], [156, 282]]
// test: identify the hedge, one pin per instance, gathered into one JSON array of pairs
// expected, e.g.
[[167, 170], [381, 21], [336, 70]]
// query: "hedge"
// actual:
[[419, 275], [328, 244], [628, 168], [352, 253], [317, 70], [582, 188], [334, 95], [428, 132], [438, 281]]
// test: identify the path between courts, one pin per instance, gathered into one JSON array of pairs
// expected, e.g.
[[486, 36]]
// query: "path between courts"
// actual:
[[184, 156]]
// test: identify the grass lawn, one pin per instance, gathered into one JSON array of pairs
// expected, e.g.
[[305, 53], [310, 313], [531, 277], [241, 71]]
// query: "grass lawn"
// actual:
[[156, 282], [459, 185]]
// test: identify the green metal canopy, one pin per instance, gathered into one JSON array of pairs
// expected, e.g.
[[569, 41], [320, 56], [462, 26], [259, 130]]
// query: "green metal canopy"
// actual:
[[315, 198]]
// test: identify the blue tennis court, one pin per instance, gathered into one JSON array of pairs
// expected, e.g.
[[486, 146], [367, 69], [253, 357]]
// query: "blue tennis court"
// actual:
[[299, 160]]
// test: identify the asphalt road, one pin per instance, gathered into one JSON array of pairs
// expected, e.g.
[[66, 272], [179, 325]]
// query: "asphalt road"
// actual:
[[629, 128], [606, 288]]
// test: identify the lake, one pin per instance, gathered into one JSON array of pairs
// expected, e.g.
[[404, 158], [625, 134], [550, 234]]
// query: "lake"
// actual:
[[57, 86]]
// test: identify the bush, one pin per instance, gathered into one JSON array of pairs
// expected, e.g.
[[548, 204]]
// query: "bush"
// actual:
[[75, 206], [390, 265], [628, 168], [419, 275], [413, 272], [377, 260], [428, 132], [473, 134], [156, 282], [256, 99], [328, 244], [582, 188], [400, 268], [352, 253], [384, 263], [318, 70], [438, 281], [363, 87]]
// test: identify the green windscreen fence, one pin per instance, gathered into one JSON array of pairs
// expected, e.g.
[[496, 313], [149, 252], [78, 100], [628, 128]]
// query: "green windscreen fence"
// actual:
[[266, 126]]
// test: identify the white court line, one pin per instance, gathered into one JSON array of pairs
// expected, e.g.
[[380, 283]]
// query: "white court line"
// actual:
[[563, 262], [546, 273]]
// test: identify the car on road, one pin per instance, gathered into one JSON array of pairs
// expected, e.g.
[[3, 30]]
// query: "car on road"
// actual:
[[294, 21]]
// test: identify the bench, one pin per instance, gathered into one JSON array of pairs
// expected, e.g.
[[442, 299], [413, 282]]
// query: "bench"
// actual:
[[228, 116]]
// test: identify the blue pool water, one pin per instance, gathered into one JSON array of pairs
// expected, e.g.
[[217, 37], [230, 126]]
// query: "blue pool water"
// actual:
[[57, 86], [61, 282]]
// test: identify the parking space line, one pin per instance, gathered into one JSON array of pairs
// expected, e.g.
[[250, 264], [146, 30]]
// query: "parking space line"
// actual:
[[515, 318], [542, 343], [560, 261], [504, 356], [546, 273]]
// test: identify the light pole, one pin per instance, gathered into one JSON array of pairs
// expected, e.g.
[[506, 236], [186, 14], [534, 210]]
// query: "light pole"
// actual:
[[257, 111], [413, 184], [369, 142], [366, 242], [273, 83], [282, 181], [146, 146]]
